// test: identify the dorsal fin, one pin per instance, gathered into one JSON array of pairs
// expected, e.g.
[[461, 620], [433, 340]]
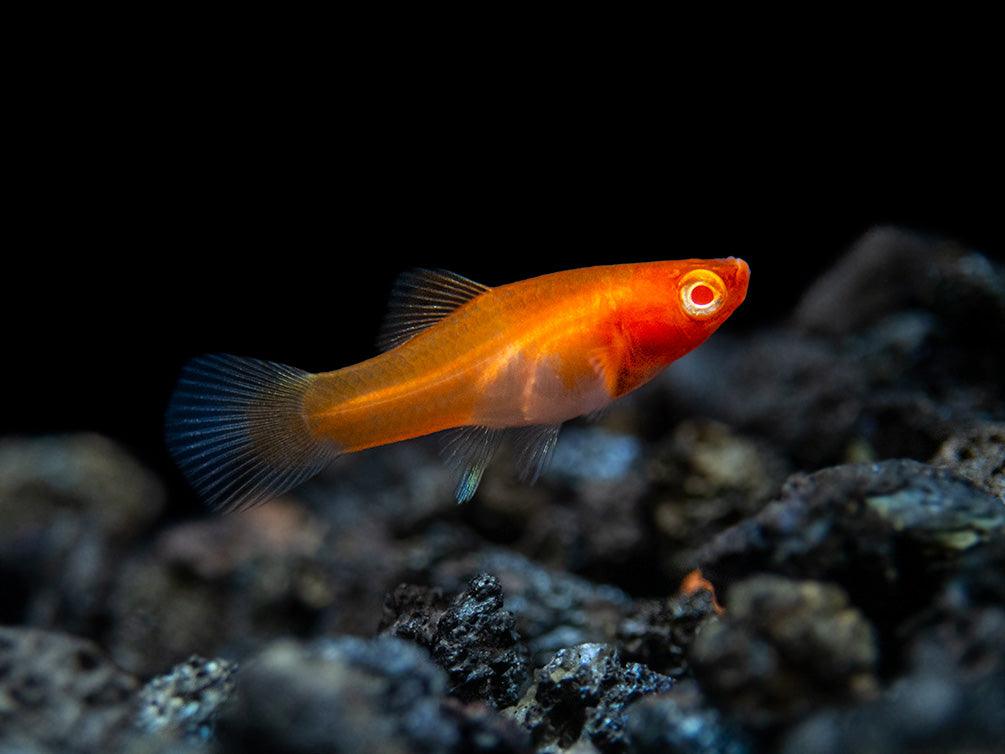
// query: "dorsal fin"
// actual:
[[421, 298]]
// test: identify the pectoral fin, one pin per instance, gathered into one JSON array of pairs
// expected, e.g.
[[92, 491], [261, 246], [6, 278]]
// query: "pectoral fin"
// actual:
[[607, 363]]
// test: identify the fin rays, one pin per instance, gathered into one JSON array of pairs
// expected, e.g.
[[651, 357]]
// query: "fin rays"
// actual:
[[533, 447], [234, 427], [421, 298], [468, 451]]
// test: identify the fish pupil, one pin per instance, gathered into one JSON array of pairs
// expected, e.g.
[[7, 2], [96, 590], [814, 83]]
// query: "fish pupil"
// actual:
[[702, 295]]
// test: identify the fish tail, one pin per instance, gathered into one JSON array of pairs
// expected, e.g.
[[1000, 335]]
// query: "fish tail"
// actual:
[[237, 430]]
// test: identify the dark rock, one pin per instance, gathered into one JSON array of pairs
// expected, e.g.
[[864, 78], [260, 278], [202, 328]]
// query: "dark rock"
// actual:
[[658, 633], [159, 616], [339, 695], [580, 696], [680, 721], [951, 298], [412, 612], [952, 693], [482, 730], [354, 695], [60, 693], [822, 399], [890, 270], [784, 648], [878, 275], [472, 637], [888, 533], [908, 423], [589, 454], [232, 584], [553, 608], [218, 546], [590, 525], [476, 641], [704, 478], [634, 523], [44, 477], [796, 391], [977, 454], [184, 702], [68, 506]]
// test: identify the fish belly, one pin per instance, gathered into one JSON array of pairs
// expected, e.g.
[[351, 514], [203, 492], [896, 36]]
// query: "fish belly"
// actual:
[[529, 390]]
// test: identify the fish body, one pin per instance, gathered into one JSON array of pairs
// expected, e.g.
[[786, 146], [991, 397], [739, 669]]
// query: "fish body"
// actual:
[[479, 363]]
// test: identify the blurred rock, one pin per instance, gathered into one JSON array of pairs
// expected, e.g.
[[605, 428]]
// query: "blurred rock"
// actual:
[[704, 478], [800, 392], [784, 648], [637, 526], [886, 532], [183, 703], [589, 522], [228, 585], [214, 547], [354, 695], [43, 477], [69, 505], [59, 693], [159, 616], [681, 722], [892, 270], [951, 696], [977, 454]]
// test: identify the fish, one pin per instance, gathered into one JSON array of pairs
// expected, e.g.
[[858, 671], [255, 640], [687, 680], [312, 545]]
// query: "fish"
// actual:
[[477, 364]]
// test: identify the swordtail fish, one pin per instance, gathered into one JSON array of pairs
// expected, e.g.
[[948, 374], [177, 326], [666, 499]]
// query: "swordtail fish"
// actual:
[[475, 363]]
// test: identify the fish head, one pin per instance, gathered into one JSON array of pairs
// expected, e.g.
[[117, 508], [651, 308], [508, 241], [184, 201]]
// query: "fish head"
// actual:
[[665, 310]]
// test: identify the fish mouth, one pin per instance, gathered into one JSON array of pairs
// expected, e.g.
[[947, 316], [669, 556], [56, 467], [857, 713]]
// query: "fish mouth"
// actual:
[[738, 278]]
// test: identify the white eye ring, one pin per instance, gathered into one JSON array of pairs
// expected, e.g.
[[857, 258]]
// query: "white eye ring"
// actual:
[[707, 303]]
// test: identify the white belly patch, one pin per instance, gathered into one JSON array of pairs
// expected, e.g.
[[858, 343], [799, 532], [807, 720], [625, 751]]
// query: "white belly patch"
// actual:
[[533, 391]]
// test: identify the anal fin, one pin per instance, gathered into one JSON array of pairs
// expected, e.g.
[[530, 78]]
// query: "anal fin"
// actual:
[[533, 445], [468, 451]]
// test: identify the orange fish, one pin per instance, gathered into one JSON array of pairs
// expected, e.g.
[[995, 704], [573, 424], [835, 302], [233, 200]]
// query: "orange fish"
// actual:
[[481, 363]]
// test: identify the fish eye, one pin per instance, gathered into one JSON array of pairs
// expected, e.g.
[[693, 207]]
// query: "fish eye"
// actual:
[[701, 293]]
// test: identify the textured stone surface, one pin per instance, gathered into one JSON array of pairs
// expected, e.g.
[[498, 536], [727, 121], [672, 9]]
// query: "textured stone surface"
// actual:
[[977, 454], [579, 698], [60, 693], [472, 637], [185, 701]]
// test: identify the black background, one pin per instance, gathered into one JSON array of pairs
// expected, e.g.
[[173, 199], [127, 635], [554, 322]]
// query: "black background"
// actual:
[[262, 203]]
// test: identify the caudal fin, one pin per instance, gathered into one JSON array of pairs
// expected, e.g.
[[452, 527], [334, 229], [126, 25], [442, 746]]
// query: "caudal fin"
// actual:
[[235, 427]]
